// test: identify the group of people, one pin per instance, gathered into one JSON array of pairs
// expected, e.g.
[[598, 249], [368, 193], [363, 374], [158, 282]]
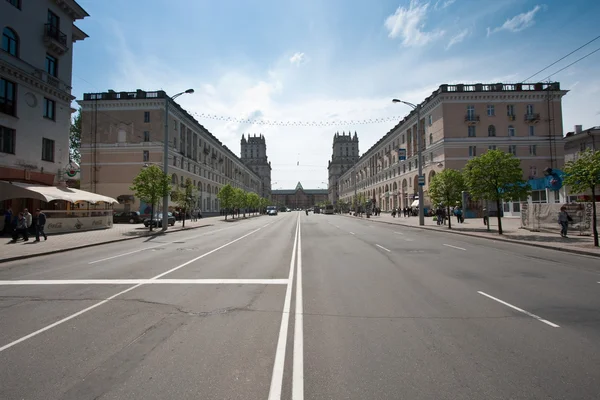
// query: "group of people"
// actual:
[[23, 224], [406, 211]]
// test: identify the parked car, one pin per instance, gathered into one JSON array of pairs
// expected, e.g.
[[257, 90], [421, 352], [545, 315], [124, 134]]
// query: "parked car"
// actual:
[[157, 221], [132, 217]]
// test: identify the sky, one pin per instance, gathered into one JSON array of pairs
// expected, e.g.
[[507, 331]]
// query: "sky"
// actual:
[[328, 64]]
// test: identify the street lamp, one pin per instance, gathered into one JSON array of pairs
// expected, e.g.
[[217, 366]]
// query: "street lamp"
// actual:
[[419, 156], [165, 216]]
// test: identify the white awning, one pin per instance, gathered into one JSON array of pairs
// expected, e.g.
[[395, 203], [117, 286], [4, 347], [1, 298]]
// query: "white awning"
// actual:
[[415, 203], [18, 190]]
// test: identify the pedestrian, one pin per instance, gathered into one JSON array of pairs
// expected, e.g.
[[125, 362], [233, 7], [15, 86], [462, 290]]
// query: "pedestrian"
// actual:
[[39, 226], [28, 218], [458, 212], [21, 229], [563, 220], [8, 217]]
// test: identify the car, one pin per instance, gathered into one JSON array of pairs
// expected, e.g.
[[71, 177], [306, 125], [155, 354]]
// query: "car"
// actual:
[[157, 221], [132, 217], [271, 210]]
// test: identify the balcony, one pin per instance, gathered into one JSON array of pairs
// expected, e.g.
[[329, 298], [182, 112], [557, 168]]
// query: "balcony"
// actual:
[[471, 119], [55, 40], [532, 118]]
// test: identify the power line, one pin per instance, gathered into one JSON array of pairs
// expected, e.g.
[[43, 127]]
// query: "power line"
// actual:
[[560, 59], [574, 62]]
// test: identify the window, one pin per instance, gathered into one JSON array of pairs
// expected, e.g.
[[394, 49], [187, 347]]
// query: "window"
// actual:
[[511, 130], [510, 110], [402, 139], [532, 150], [471, 130], [538, 196], [472, 151], [492, 147], [7, 140], [47, 150], [491, 130], [516, 206], [49, 109], [16, 3], [10, 42], [146, 136], [531, 130], [7, 97], [146, 156], [532, 172], [174, 161], [491, 110], [430, 120], [51, 65], [471, 112], [175, 142], [146, 116], [529, 109], [512, 149]]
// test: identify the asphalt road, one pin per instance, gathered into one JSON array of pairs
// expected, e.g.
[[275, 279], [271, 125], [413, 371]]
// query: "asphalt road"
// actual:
[[301, 307]]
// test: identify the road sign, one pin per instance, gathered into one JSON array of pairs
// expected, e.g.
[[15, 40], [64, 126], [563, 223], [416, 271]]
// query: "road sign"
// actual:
[[401, 154], [422, 180]]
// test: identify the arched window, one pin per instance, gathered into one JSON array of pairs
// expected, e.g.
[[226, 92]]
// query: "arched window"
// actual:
[[511, 130], [491, 130], [10, 42]]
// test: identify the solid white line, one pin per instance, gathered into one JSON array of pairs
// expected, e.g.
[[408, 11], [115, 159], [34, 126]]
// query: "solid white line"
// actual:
[[520, 310], [455, 247], [147, 282], [381, 247], [409, 240], [11, 344], [278, 365], [298, 362], [399, 233], [352, 233]]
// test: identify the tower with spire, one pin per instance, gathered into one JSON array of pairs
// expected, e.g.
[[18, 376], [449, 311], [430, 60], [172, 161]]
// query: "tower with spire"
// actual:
[[345, 154], [254, 156]]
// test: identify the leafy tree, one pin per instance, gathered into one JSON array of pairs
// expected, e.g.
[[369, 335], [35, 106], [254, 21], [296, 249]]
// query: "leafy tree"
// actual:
[[151, 185], [75, 138], [263, 204], [446, 188], [583, 174], [496, 176], [253, 201], [241, 200], [186, 197], [226, 197]]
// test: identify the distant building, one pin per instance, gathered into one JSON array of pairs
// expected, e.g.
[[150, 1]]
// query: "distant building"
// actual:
[[577, 141], [299, 197], [343, 157], [254, 156]]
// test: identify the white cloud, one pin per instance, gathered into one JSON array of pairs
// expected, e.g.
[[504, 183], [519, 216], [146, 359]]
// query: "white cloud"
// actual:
[[518, 22], [440, 4], [298, 58], [459, 37], [408, 23]]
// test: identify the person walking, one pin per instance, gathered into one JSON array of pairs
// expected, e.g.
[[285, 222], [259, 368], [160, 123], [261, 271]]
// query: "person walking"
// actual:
[[21, 229], [563, 220], [39, 225], [28, 218]]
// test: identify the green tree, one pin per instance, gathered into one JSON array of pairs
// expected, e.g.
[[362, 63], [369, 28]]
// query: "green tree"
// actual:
[[226, 197], [253, 201], [446, 188], [75, 138], [241, 200], [151, 185], [186, 197], [583, 174], [263, 204], [496, 176]]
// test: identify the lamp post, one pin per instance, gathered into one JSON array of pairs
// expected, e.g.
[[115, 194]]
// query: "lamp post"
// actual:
[[165, 216], [419, 156]]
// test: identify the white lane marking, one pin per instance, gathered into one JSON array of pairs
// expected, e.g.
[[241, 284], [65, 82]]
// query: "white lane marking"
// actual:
[[337, 226], [298, 360], [409, 240], [454, 247], [78, 313], [147, 282], [520, 310], [352, 233], [381, 247], [398, 233], [279, 364]]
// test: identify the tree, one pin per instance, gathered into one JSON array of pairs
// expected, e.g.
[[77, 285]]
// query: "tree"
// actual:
[[226, 197], [446, 188], [496, 176], [241, 201], [186, 197], [75, 138], [583, 174], [151, 185], [253, 201], [263, 204]]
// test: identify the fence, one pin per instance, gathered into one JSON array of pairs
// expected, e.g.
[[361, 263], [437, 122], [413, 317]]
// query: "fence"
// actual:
[[544, 217]]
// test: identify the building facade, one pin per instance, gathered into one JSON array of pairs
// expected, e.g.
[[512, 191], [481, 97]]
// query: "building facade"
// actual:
[[122, 132], [35, 88], [254, 156], [457, 123], [299, 197], [343, 157], [575, 142]]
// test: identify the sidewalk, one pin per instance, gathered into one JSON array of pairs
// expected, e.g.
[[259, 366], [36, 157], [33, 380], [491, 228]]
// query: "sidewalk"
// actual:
[[77, 240], [511, 228]]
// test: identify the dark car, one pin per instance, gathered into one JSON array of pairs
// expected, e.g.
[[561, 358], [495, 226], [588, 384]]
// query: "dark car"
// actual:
[[158, 220], [132, 217]]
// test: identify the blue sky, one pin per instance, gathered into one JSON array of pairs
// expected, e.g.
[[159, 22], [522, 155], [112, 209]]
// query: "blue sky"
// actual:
[[330, 60]]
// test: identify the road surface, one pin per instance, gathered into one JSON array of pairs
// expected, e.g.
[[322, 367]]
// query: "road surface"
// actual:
[[301, 307]]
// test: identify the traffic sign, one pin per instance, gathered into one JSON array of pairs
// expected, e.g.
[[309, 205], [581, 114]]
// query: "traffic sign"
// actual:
[[401, 154], [422, 180]]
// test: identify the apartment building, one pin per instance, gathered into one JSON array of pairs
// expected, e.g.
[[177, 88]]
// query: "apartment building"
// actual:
[[35, 88], [459, 122], [575, 142], [122, 132]]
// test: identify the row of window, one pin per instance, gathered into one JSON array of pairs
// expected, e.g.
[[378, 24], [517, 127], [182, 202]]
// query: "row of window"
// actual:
[[512, 149], [8, 104], [491, 110], [8, 139], [472, 131]]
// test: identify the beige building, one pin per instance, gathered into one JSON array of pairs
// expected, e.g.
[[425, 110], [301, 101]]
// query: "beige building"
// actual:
[[123, 131], [580, 140], [299, 197], [459, 122], [254, 156], [343, 156]]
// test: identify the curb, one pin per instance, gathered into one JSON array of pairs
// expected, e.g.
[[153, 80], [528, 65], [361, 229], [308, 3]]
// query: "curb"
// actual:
[[25, 256], [542, 246]]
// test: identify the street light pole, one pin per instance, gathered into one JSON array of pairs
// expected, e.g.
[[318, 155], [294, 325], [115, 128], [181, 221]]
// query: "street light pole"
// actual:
[[419, 157], [165, 213]]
